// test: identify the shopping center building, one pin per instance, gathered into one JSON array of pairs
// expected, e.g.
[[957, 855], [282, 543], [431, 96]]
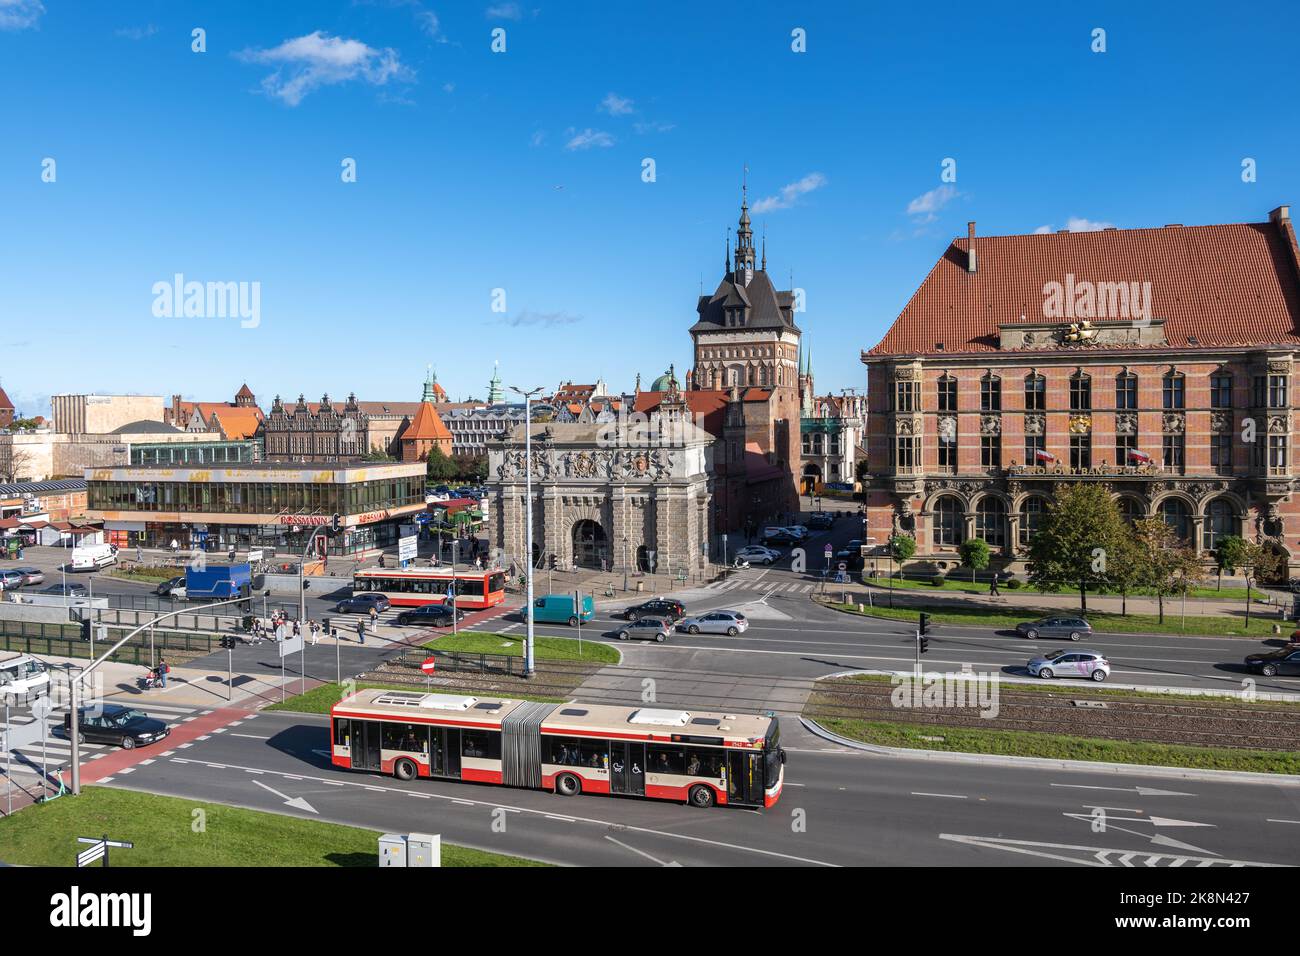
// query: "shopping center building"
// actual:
[[1157, 363], [271, 505]]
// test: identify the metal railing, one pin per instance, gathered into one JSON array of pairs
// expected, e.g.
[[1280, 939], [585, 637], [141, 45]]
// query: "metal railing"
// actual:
[[64, 640]]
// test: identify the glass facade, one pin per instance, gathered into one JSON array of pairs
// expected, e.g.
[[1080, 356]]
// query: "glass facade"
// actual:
[[196, 453], [256, 498]]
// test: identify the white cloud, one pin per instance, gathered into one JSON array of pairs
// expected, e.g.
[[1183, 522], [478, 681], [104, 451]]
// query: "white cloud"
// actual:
[[926, 206], [790, 193], [308, 62], [538, 138], [136, 33], [505, 11], [653, 127], [20, 14], [588, 138], [1076, 224], [616, 105], [449, 87], [428, 21]]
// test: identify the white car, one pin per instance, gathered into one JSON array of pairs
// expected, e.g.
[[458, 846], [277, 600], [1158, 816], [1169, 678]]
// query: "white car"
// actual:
[[757, 554], [23, 675]]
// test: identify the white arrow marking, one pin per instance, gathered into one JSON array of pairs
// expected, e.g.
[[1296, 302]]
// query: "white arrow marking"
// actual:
[[1167, 822], [1142, 791], [1157, 838], [642, 853], [298, 803]]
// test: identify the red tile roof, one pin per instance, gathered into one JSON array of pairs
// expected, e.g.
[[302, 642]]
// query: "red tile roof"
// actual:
[[706, 405], [427, 426], [1228, 285]]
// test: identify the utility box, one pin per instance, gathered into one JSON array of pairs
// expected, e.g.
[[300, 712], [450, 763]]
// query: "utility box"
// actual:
[[414, 849], [392, 850], [424, 849]]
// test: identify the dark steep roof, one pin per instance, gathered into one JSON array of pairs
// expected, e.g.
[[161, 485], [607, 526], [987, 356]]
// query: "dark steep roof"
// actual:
[[766, 307]]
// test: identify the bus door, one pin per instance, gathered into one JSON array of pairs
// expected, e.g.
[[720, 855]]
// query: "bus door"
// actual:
[[444, 751], [627, 767], [365, 744], [744, 778]]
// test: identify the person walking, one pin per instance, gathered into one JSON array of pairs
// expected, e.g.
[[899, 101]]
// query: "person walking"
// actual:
[[297, 628], [993, 587], [361, 631], [176, 546], [139, 555], [315, 632], [374, 615], [232, 554], [163, 670]]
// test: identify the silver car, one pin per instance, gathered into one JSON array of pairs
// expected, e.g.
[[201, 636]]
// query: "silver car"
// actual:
[[1090, 665], [646, 629], [1065, 625], [32, 575], [730, 623]]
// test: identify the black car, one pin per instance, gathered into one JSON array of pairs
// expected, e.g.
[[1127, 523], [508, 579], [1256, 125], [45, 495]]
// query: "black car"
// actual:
[[657, 607], [784, 538], [362, 603], [166, 587], [821, 522], [115, 724], [436, 615], [1283, 661], [71, 590], [851, 550]]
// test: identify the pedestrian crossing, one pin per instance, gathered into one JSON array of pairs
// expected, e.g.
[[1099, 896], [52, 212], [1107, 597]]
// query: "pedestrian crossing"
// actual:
[[737, 583], [22, 766]]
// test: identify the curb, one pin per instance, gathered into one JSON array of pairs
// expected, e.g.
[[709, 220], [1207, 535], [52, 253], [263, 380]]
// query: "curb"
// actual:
[[1052, 763], [1189, 691], [978, 627]]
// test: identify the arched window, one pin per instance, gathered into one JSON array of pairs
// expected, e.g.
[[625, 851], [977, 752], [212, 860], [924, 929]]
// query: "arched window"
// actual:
[[1220, 522], [991, 521], [1177, 516], [1032, 510], [1130, 509], [1035, 394], [949, 522]]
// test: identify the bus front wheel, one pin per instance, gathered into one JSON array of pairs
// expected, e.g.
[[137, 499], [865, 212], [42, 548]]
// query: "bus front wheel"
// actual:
[[567, 785], [404, 769], [701, 796]]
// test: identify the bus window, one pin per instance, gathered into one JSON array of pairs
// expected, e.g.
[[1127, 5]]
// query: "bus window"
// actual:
[[342, 733], [405, 737], [667, 759], [481, 743], [496, 581], [704, 763]]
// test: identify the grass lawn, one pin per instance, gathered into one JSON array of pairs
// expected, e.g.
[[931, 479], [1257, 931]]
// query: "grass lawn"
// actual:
[[1102, 622], [154, 574], [162, 830], [955, 583], [1023, 743], [544, 648], [320, 699]]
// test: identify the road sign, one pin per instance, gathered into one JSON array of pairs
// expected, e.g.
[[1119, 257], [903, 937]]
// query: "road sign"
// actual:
[[255, 555], [290, 645], [87, 857], [99, 849], [829, 551], [407, 548], [843, 566], [430, 665]]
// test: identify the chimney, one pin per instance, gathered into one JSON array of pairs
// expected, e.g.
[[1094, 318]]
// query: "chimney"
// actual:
[[970, 247], [1279, 214]]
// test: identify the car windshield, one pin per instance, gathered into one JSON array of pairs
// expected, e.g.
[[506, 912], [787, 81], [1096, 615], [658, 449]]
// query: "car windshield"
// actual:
[[126, 716], [1056, 655]]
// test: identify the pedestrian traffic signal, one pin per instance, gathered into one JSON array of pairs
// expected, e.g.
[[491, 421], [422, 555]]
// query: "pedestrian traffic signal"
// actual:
[[335, 523], [85, 629], [228, 642]]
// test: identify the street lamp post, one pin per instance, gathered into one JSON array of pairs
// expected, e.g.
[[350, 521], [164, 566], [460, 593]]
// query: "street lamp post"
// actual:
[[528, 494]]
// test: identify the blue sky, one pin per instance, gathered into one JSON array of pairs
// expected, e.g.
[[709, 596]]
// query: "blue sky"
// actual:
[[225, 166]]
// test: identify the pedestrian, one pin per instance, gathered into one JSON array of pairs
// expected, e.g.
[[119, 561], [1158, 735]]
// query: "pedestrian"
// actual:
[[478, 562], [315, 633], [297, 628], [361, 631], [279, 631], [176, 545], [139, 555], [163, 670], [232, 554], [374, 614], [993, 587]]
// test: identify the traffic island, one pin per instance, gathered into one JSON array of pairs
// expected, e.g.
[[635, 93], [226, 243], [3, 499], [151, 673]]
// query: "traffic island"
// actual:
[[171, 831], [958, 715]]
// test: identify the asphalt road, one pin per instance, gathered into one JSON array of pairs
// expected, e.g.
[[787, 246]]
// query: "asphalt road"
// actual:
[[840, 808]]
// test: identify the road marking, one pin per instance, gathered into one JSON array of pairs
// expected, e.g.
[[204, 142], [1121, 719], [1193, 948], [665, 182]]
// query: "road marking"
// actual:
[[1140, 791], [551, 816], [950, 796], [1272, 820], [296, 802], [1092, 855], [641, 852], [250, 736], [1093, 806]]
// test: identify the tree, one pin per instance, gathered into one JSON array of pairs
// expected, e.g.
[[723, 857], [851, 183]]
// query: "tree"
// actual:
[[1080, 528], [1233, 552], [1256, 559], [974, 555], [903, 546], [1124, 567], [471, 467], [439, 467], [15, 463], [1165, 564]]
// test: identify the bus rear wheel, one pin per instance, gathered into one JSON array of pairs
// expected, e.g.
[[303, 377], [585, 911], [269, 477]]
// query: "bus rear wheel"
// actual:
[[404, 769], [701, 796], [568, 785]]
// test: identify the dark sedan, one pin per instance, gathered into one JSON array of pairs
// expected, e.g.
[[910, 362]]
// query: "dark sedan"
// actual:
[[114, 724], [658, 607], [436, 615], [362, 603], [1283, 661]]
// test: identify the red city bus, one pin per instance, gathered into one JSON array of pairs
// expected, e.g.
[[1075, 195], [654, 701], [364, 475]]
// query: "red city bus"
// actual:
[[697, 758], [413, 587]]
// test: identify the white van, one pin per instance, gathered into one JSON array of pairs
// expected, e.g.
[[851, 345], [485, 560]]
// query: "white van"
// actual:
[[91, 556], [23, 675]]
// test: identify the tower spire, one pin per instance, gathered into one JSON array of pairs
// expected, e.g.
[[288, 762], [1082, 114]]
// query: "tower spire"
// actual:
[[745, 236], [764, 266]]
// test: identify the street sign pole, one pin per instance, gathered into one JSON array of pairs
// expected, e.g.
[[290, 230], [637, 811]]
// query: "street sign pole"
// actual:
[[9, 767], [230, 672], [577, 604]]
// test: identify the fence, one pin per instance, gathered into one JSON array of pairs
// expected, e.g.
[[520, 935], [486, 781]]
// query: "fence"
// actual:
[[156, 604], [64, 640]]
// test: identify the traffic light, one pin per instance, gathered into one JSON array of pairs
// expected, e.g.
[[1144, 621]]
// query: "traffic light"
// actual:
[[335, 524], [925, 622], [923, 642], [228, 642], [85, 629]]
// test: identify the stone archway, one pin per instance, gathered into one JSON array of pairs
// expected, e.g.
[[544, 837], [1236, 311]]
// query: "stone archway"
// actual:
[[812, 476], [590, 544]]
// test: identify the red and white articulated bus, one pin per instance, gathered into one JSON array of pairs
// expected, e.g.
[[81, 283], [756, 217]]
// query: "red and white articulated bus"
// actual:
[[696, 758], [413, 587]]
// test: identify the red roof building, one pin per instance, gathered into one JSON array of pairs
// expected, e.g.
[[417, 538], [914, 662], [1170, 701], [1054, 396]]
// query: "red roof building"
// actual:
[[1129, 357]]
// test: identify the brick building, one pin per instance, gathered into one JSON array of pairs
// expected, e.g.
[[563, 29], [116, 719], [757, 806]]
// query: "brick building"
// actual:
[[1158, 363]]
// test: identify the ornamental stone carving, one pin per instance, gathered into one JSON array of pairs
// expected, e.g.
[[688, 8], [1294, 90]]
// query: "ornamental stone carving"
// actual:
[[1080, 424], [990, 424], [948, 428], [1034, 424], [1173, 423], [905, 373], [1201, 489], [903, 426], [1126, 423], [1220, 421], [1280, 368], [1279, 424]]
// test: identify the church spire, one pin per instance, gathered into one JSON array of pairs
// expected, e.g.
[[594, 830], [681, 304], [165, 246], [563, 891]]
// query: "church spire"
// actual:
[[745, 237], [764, 265]]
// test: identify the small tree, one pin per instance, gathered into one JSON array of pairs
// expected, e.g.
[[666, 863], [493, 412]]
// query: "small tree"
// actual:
[[1080, 528], [439, 466], [903, 546], [1123, 567], [1166, 565], [1233, 553], [1259, 561], [974, 555]]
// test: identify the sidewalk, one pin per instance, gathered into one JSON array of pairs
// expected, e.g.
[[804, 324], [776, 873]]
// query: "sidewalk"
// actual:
[[118, 683], [1031, 599]]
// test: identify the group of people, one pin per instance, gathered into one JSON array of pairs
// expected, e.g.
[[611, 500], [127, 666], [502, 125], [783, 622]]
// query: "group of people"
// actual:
[[280, 627]]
